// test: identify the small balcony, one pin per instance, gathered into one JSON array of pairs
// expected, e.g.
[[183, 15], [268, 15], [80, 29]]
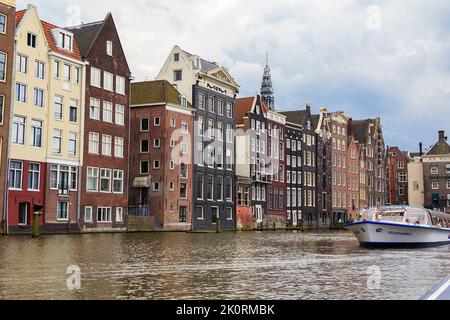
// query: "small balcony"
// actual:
[[139, 210]]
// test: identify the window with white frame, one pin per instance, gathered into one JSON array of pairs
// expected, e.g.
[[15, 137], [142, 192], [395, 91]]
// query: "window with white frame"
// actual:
[[67, 72], [77, 77], [435, 184], [402, 177], [3, 57], [56, 67], [118, 147], [3, 20], [108, 80], [105, 180], [120, 85], [106, 145], [57, 141], [40, 69], [21, 92], [107, 111], [118, 181], [96, 77], [144, 125], [157, 143], [157, 121], [183, 191], [15, 175], [72, 143], [109, 48], [94, 109], [120, 114], [434, 169], [36, 133], [73, 111], [92, 179], [104, 214], [65, 41], [184, 127], [34, 172], [200, 213], [87, 214], [62, 210], [94, 142], [119, 214], [58, 108], [144, 167], [73, 179], [21, 63]]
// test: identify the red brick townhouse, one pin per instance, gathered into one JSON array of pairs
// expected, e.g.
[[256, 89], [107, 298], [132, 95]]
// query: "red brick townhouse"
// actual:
[[161, 169], [104, 184]]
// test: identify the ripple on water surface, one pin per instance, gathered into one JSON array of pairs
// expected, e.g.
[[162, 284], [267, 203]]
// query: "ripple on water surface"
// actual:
[[253, 265]]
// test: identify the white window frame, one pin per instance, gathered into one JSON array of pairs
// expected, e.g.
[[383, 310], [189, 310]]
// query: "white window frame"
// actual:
[[92, 176], [85, 214], [108, 81], [120, 115], [96, 75], [107, 112], [118, 146]]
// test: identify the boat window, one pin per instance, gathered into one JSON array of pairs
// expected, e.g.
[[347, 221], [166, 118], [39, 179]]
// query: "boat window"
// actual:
[[417, 218]]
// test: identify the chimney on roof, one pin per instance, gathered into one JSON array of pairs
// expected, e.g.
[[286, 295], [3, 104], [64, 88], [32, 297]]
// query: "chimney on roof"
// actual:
[[421, 149], [442, 135], [308, 107]]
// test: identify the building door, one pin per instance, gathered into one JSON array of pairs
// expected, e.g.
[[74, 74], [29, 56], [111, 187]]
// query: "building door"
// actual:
[[215, 214], [143, 196], [23, 213], [259, 213]]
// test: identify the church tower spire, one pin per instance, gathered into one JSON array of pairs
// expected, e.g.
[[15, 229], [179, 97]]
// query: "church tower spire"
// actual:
[[266, 86]]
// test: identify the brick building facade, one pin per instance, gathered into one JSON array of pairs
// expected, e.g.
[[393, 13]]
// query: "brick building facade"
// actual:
[[104, 183], [397, 176], [161, 170], [7, 31]]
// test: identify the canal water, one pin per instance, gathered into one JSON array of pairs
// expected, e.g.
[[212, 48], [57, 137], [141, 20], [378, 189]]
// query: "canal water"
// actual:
[[252, 265]]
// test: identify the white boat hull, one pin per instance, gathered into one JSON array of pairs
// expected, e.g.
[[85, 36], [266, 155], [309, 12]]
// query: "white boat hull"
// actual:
[[386, 234]]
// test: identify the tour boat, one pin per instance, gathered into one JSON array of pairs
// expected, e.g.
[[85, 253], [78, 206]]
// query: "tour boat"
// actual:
[[401, 227]]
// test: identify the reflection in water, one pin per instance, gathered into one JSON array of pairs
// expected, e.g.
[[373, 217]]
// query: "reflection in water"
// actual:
[[254, 265]]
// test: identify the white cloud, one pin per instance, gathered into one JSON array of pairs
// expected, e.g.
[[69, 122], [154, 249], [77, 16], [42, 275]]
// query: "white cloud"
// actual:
[[320, 51]]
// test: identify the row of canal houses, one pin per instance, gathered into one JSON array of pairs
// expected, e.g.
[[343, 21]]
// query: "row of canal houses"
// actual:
[[84, 149]]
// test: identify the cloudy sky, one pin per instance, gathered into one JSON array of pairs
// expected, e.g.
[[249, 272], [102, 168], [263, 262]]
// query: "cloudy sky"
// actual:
[[369, 58]]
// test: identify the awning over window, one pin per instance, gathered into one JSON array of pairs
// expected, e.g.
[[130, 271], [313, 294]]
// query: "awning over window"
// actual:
[[141, 182]]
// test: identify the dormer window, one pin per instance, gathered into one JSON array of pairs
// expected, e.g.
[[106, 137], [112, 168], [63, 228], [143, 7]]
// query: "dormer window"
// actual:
[[109, 48], [64, 39]]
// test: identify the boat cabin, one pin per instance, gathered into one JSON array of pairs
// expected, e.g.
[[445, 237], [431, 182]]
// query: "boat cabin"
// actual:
[[407, 215]]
